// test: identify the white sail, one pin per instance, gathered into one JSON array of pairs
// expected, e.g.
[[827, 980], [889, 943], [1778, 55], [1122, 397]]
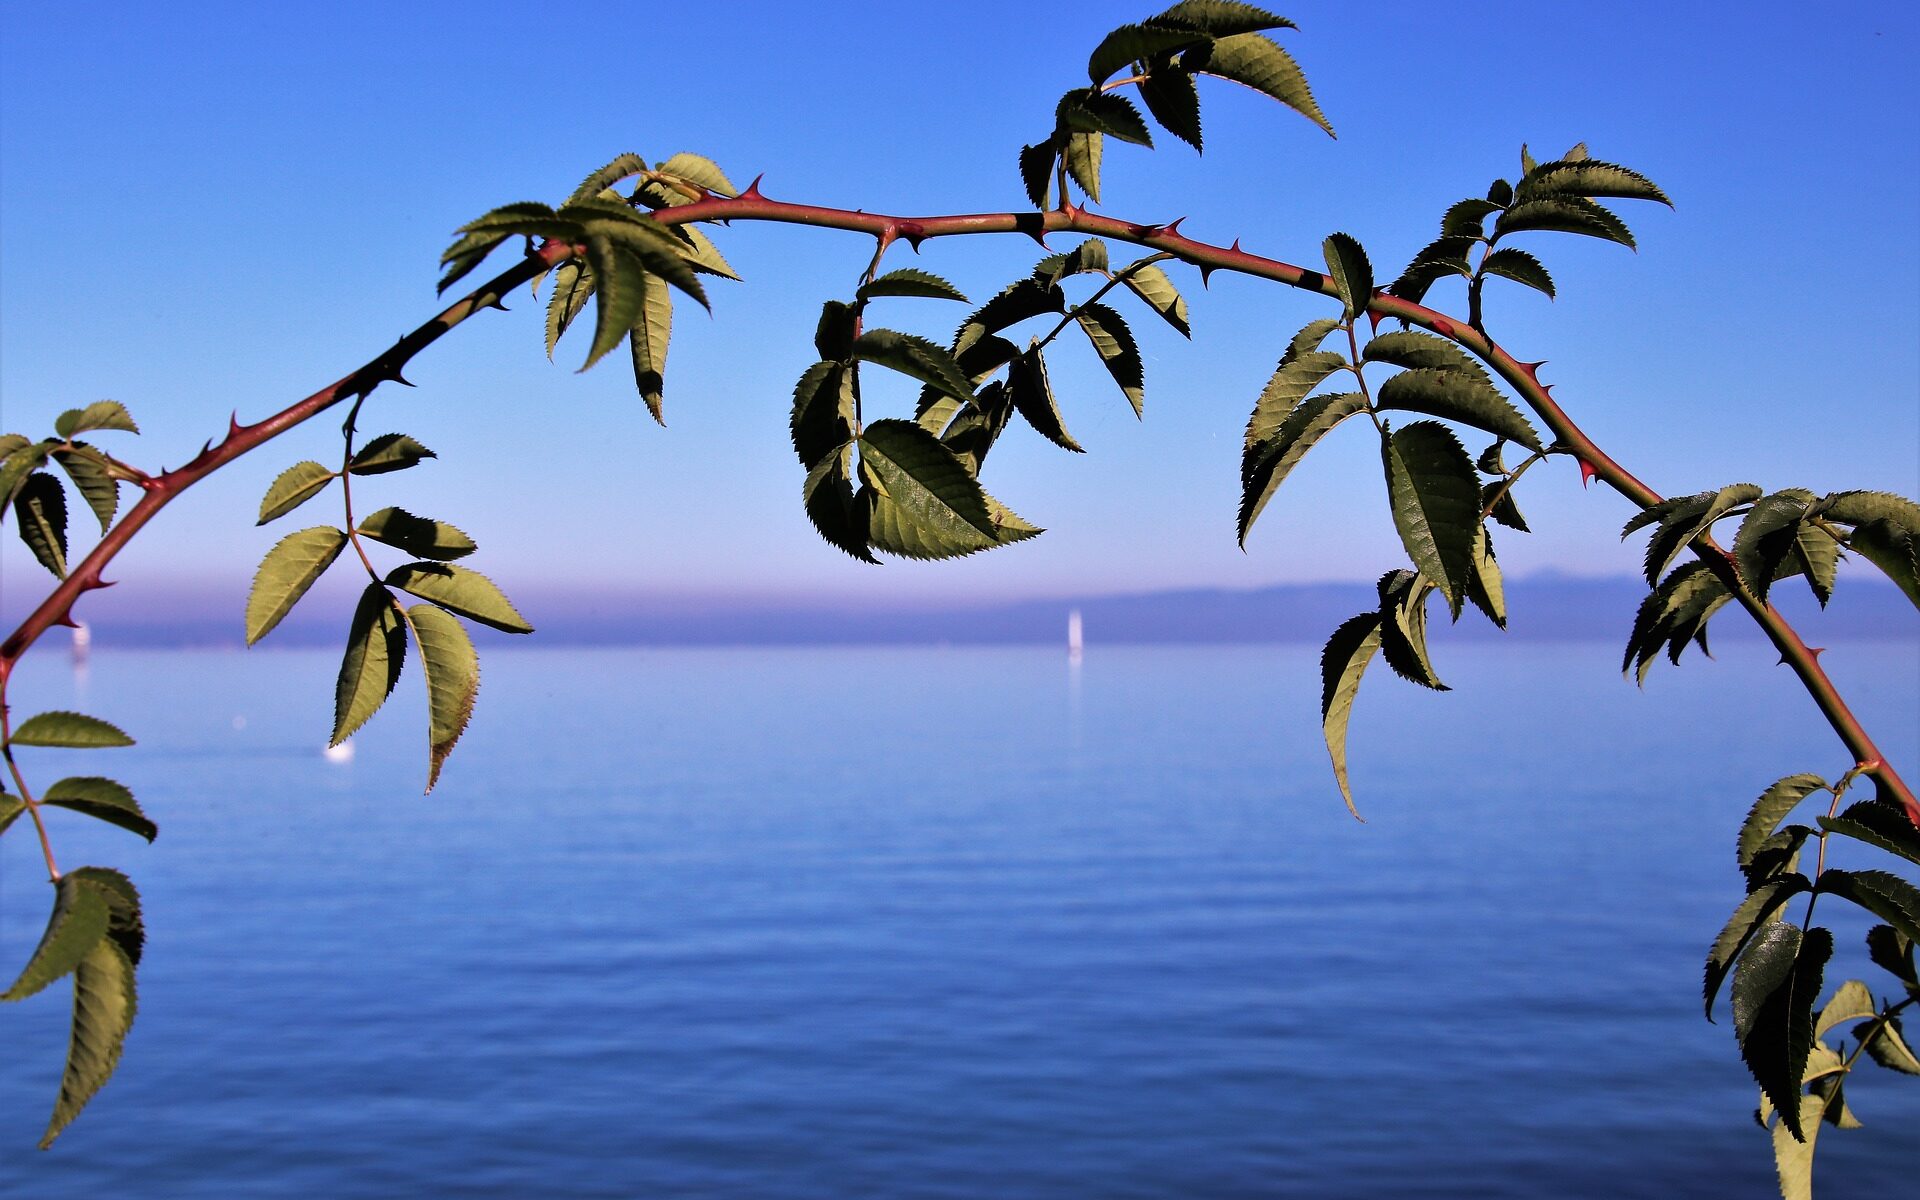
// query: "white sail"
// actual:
[[1076, 641]]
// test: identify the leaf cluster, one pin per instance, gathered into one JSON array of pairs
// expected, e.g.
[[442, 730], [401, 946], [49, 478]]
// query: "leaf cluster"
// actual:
[[35, 496]]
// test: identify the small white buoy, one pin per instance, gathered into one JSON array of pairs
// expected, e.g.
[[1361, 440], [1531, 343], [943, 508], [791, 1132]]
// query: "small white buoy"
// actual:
[[339, 754]]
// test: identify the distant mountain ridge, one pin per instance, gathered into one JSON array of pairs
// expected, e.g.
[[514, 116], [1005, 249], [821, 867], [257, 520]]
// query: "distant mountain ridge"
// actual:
[[1540, 608]]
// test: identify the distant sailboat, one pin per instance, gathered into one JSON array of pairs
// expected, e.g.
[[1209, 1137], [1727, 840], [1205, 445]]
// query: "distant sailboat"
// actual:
[[1076, 642], [82, 644]]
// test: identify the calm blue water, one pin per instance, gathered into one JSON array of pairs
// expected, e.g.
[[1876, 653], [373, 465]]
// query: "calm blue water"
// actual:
[[902, 923]]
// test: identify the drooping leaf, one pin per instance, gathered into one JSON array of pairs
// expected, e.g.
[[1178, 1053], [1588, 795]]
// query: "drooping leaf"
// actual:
[[620, 293], [1403, 628], [1520, 267], [1817, 556], [18, 464], [1858, 508], [1892, 951], [1082, 156], [1850, 1002], [1220, 18], [376, 651], [1457, 396], [1467, 219], [1036, 172], [1672, 614], [102, 799], [1888, 1046], [1090, 111], [1151, 284], [1879, 825], [915, 357], [1776, 856], [1767, 536], [40, 515], [1113, 342], [388, 452], [572, 287], [293, 487], [926, 504], [1261, 65], [1032, 397], [1887, 546], [1496, 500], [624, 166], [103, 1010], [1793, 1157], [1564, 214], [460, 590], [1781, 797], [1344, 660], [829, 499], [823, 416], [77, 924], [1088, 258], [1174, 101], [467, 253], [418, 536], [69, 730], [10, 809], [1131, 43], [452, 669], [833, 333], [977, 425], [909, 282], [90, 478], [1775, 985], [1297, 374], [1266, 465], [1485, 587], [1885, 895], [1750, 917], [1019, 300], [1350, 271], [101, 414], [1435, 497], [647, 341], [286, 573]]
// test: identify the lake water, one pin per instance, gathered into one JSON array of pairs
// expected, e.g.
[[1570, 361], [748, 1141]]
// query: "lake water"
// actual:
[[924, 923]]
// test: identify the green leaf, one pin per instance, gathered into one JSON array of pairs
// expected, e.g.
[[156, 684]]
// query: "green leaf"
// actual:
[[833, 333], [1438, 259], [620, 293], [102, 799], [1879, 825], [1422, 351], [388, 452], [1457, 396], [1892, 951], [69, 730], [376, 651], [1009, 526], [1887, 546], [1018, 301], [1132, 43], [1173, 100], [572, 287], [647, 341], [1858, 508], [915, 357], [823, 416], [1590, 179], [1851, 1002], [1265, 465], [90, 478], [460, 590], [467, 253], [1485, 587], [293, 487], [1761, 905], [830, 504], [1083, 154], [1886, 896], [101, 414], [1036, 172], [1096, 112], [1520, 267], [626, 166], [1113, 342], [1220, 18], [1350, 271], [701, 254], [1403, 628], [418, 536], [40, 513], [1781, 797], [19, 463], [1792, 1157], [1816, 554], [1684, 518], [10, 810], [1308, 340], [286, 573], [909, 282], [104, 1004], [1767, 536], [78, 923], [529, 218], [452, 669], [1889, 1047], [1775, 985], [977, 425], [1089, 257], [1151, 284], [1261, 65], [1778, 855], [1032, 396], [1564, 214], [1496, 500], [1344, 660], [1467, 219], [1436, 504], [701, 172], [926, 503]]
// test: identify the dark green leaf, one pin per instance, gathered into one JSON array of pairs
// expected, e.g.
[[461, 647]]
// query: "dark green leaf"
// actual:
[[40, 513], [1767, 536], [620, 293], [701, 172], [1032, 396], [452, 669], [529, 218], [1590, 179], [915, 357], [823, 416], [1675, 612], [909, 282], [1888, 1046], [1036, 172], [1858, 508], [1684, 518], [293, 487], [1879, 825], [1563, 214], [1436, 504], [102, 799], [647, 341], [1467, 219], [1151, 284], [1438, 259], [1114, 343], [10, 810], [833, 332], [1083, 154], [1778, 855], [1817, 555], [376, 651], [1266, 465], [977, 425], [1892, 951], [1019, 300], [91, 480], [1457, 396], [1089, 257], [1882, 543], [467, 253], [1174, 101], [926, 503], [460, 590], [1403, 628], [1131, 43], [830, 504], [1781, 797], [1344, 660], [1350, 271], [388, 452], [1415, 350], [101, 414], [70, 730], [1774, 989], [418, 536], [1496, 500], [701, 254], [1520, 267], [286, 573], [572, 287], [78, 923], [1500, 193], [1220, 18], [1096, 112], [1261, 65], [103, 1009], [1308, 340], [1886, 896], [20, 463], [625, 166]]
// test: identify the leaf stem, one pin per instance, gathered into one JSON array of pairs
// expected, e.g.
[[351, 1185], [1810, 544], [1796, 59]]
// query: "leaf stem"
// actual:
[[26, 796], [346, 486]]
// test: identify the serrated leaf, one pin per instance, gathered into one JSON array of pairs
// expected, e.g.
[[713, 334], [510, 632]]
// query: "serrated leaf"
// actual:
[[699, 171], [1415, 350], [1261, 65], [977, 425], [1403, 628], [1089, 257], [1857, 508], [40, 516], [1019, 300], [77, 924], [1221, 18], [833, 333], [1032, 397], [620, 293], [1781, 797], [1036, 172], [701, 254], [1173, 100], [572, 287], [1851, 1002], [19, 463], [1564, 214], [286, 573], [388, 452], [460, 590], [1467, 219], [1485, 587], [1761, 905], [1500, 192], [452, 669], [1684, 518], [1151, 284], [1457, 396], [1438, 259], [1776, 856], [926, 504], [1892, 951], [624, 166], [1435, 497], [1520, 267], [1766, 537], [1792, 1157], [1889, 1046], [1817, 555], [102, 799], [1082, 155], [1879, 825], [1496, 500], [1096, 112], [68, 730], [909, 282], [1132, 43], [1266, 465], [1350, 271], [293, 487], [376, 651], [1113, 342], [647, 341], [1342, 662], [101, 414], [1674, 613], [529, 218], [466, 254], [1775, 985], [1885, 895], [654, 247], [916, 358], [10, 809], [1588, 178], [829, 500], [90, 478], [104, 1004], [418, 536], [823, 416], [1892, 549], [1307, 341]]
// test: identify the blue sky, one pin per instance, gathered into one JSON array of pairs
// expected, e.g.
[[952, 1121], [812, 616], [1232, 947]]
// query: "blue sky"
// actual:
[[207, 208]]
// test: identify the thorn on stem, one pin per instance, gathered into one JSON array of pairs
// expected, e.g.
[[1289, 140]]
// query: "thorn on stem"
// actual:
[[1587, 472], [753, 189]]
